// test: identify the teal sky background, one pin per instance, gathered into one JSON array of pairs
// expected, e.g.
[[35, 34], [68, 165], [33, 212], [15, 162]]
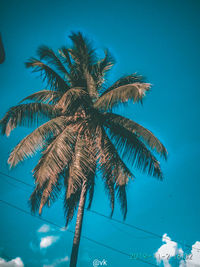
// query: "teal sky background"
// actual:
[[156, 38]]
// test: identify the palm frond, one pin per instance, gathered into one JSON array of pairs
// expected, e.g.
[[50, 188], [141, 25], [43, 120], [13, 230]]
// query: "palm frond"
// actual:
[[91, 186], [83, 165], [53, 79], [106, 63], [63, 51], [77, 76], [73, 188], [56, 156], [71, 202], [111, 98], [114, 170], [147, 136], [44, 195], [37, 139], [82, 169], [134, 150], [121, 195], [35, 197], [125, 80], [26, 115], [74, 99], [49, 55], [91, 85], [110, 190], [50, 193], [44, 96], [111, 161], [82, 51], [100, 69]]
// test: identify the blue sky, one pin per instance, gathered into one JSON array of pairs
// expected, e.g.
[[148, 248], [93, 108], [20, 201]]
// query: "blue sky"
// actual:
[[159, 39]]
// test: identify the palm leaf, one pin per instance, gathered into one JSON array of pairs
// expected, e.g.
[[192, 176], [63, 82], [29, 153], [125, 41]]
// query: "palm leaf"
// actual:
[[114, 170], [53, 79], [71, 202], [83, 165], [26, 115], [46, 194], [111, 98], [110, 191], [125, 80], [73, 100], [147, 136], [133, 150], [65, 56], [48, 54], [44, 96], [91, 85], [56, 156], [100, 69], [91, 186], [121, 194], [82, 168], [82, 51], [36, 140]]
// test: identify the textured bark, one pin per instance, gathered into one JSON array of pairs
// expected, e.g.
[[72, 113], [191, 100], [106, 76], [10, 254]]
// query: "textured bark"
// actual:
[[79, 220]]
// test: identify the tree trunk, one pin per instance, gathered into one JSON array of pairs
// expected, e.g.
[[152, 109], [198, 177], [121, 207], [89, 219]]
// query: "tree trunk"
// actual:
[[79, 220]]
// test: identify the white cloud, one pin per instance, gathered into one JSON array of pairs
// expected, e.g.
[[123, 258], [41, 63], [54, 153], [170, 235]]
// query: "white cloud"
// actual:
[[44, 228], [57, 261], [17, 262], [48, 241], [46, 236], [193, 259], [170, 250], [167, 251]]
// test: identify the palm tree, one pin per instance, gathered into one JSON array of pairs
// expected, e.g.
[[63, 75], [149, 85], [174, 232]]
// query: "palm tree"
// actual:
[[81, 135]]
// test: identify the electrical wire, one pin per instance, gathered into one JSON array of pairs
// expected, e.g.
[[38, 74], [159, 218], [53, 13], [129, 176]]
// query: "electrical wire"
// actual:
[[83, 236], [108, 217]]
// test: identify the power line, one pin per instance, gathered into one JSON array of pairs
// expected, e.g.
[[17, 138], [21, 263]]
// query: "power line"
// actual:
[[85, 237], [92, 211], [15, 179], [126, 224], [108, 217]]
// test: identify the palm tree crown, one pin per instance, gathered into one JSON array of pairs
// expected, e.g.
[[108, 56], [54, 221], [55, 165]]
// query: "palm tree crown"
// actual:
[[81, 136]]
